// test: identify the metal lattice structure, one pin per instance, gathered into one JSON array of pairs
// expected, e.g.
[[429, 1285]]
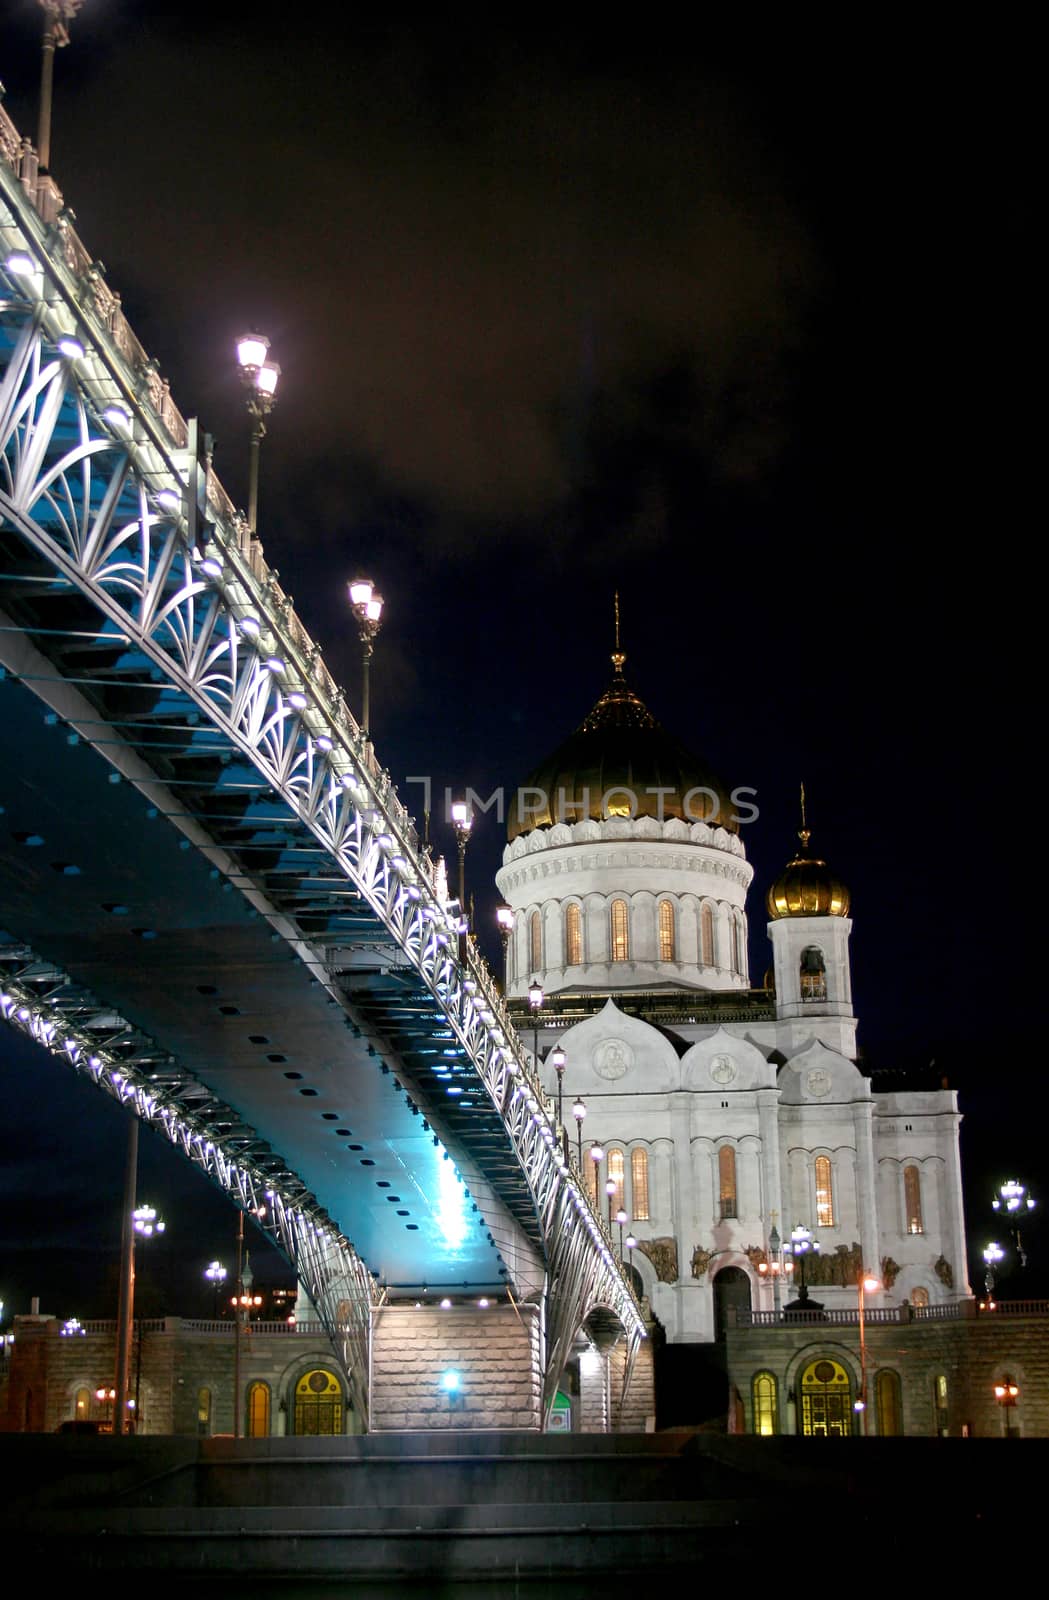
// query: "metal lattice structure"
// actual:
[[121, 549]]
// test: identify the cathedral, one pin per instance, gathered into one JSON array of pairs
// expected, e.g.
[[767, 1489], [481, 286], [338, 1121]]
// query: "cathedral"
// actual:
[[725, 1129]]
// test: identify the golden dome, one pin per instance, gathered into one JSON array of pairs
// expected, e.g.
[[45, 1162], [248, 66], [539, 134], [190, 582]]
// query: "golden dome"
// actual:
[[807, 888], [620, 753]]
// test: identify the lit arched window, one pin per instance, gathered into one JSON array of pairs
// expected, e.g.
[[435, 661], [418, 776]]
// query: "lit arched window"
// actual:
[[617, 1175], [318, 1403], [204, 1411], [620, 936], [573, 936], [727, 1181], [706, 936], [258, 1411], [912, 1199], [82, 1403], [813, 974], [826, 1401], [535, 941], [919, 1297], [639, 1184], [765, 1403], [824, 1193], [666, 931], [889, 1404]]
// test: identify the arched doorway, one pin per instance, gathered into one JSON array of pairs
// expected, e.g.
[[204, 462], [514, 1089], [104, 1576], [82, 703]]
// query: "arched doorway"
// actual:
[[825, 1401], [731, 1291], [319, 1404]]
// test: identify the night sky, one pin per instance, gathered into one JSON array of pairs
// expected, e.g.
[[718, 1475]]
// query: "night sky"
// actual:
[[739, 324]]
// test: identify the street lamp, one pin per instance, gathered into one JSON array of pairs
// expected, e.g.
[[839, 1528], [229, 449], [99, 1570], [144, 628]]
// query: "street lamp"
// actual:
[[462, 822], [259, 378], [1007, 1392], [621, 1219], [366, 605], [557, 1060], [992, 1255], [56, 14], [239, 1300], [866, 1284], [107, 1399], [1014, 1201], [631, 1245], [216, 1275], [579, 1112], [535, 1001], [610, 1189], [801, 1242], [504, 917], [597, 1155]]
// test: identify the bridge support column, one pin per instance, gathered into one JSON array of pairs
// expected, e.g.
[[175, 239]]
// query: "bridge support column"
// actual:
[[464, 1367], [595, 1397]]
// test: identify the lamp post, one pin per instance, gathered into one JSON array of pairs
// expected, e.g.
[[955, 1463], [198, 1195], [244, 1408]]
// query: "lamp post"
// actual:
[[992, 1255], [107, 1399], [1007, 1392], [610, 1189], [504, 918], [216, 1275], [631, 1245], [866, 1284], [239, 1300], [462, 822], [579, 1112], [557, 1060], [366, 606], [259, 378], [597, 1155], [56, 14], [1014, 1201], [622, 1219], [535, 1001], [801, 1242]]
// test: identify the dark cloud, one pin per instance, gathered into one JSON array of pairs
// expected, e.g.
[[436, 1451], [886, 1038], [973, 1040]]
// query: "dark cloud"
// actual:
[[458, 269]]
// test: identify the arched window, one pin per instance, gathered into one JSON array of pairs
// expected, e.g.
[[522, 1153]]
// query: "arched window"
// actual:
[[620, 935], [706, 935], [204, 1411], [535, 941], [617, 1175], [736, 963], [912, 1199], [573, 936], [888, 1405], [258, 1411], [727, 1181], [826, 1402], [82, 1404], [813, 974], [666, 931], [824, 1193], [919, 1297], [639, 1184], [939, 1395], [318, 1403], [764, 1403]]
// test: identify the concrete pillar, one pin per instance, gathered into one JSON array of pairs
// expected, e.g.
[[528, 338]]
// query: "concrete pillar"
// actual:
[[866, 1206]]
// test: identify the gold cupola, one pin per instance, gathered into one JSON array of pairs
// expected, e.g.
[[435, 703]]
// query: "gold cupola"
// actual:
[[807, 887]]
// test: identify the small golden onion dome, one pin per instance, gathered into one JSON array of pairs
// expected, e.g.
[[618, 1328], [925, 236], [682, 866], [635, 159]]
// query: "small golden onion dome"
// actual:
[[619, 753], [807, 888]]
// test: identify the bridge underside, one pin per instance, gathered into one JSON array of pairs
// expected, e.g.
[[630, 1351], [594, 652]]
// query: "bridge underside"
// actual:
[[94, 878]]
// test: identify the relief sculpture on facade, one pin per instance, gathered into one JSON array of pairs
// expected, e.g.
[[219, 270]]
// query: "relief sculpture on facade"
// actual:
[[841, 1270], [890, 1271], [701, 1260], [663, 1255], [942, 1269]]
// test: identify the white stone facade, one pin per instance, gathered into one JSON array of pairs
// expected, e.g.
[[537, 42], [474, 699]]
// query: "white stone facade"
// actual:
[[725, 1127]]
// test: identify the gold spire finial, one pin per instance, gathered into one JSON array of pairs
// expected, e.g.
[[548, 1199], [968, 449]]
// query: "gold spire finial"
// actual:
[[803, 832], [618, 658]]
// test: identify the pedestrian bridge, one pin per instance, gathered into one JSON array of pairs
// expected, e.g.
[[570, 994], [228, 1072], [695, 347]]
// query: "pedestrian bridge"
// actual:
[[213, 903]]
